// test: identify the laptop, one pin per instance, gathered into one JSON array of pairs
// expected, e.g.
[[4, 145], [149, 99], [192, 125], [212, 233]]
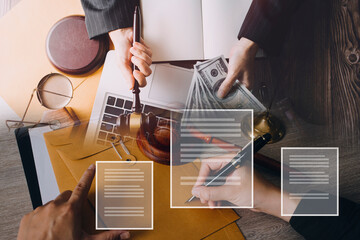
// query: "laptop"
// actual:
[[167, 88]]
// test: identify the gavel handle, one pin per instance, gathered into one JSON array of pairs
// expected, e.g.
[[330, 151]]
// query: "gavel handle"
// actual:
[[136, 107]]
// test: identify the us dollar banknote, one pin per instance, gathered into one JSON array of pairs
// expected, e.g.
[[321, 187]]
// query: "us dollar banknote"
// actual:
[[208, 76]]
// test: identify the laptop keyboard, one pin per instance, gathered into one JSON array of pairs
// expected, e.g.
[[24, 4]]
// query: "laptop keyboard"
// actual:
[[116, 106]]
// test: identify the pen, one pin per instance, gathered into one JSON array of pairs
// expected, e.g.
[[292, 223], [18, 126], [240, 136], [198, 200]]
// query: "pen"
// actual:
[[259, 159], [136, 107], [236, 161]]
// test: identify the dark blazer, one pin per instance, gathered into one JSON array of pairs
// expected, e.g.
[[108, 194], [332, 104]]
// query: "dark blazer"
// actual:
[[103, 16], [267, 23]]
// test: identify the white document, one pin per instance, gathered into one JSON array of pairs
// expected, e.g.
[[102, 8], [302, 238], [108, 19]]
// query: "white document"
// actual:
[[225, 128], [124, 195], [192, 29], [173, 29], [312, 178], [222, 21]]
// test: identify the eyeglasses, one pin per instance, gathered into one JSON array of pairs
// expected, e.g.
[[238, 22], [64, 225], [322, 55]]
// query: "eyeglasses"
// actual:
[[54, 91]]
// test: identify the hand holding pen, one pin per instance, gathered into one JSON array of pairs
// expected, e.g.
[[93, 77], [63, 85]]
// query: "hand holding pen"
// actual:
[[212, 189], [128, 53], [214, 195]]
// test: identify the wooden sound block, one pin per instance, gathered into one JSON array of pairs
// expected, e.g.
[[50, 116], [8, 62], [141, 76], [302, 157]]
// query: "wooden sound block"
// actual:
[[156, 144], [70, 50]]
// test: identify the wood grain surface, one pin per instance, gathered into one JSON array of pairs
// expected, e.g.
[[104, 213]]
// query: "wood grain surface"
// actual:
[[320, 66], [318, 71], [345, 67], [14, 195]]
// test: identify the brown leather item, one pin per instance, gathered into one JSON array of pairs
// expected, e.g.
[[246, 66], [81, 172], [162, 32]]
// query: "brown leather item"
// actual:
[[70, 50]]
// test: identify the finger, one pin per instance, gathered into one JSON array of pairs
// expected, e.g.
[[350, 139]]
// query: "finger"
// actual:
[[226, 85], [209, 165], [204, 172], [144, 43], [24, 226], [213, 193], [141, 54], [38, 209], [63, 197], [126, 71], [144, 48], [212, 204], [142, 65], [81, 191], [110, 235], [140, 78]]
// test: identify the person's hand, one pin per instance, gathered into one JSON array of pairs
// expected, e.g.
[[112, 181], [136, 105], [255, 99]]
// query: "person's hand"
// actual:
[[61, 218], [267, 197], [139, 54], [230, 191], [241, 66]]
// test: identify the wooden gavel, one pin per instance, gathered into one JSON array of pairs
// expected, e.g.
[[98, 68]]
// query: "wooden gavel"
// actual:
[[133, 122]]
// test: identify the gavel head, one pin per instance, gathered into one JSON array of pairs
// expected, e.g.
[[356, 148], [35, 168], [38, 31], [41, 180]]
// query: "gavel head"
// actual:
[[130, 124], [152, 139]]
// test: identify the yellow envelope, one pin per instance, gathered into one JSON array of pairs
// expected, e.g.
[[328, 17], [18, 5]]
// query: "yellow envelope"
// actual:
[[169, 223]]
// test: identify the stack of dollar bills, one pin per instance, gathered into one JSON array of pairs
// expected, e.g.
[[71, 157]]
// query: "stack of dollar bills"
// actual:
[[208, 76]]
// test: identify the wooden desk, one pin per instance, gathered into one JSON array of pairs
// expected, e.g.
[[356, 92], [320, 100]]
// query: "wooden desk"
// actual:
[[319, 72], [323, 53]]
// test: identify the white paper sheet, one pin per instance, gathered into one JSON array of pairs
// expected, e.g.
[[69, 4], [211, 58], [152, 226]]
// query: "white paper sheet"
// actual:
[[49, 189], [222, 21], [173, 29]]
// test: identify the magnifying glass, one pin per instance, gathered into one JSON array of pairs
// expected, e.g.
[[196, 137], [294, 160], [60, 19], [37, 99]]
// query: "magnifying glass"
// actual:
[[54, 91]]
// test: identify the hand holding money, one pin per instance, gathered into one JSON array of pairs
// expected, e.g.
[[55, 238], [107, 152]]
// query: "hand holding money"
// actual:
[[208, 77], [241, 66]]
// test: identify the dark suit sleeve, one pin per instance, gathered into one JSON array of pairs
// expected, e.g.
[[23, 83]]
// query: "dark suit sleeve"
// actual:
[[344, 226], [267, 23], [103, 16]]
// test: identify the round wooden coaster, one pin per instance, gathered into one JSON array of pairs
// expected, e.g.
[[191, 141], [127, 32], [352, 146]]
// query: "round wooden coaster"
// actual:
[[70, 50]]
